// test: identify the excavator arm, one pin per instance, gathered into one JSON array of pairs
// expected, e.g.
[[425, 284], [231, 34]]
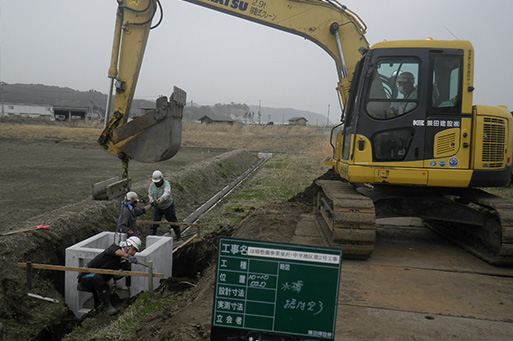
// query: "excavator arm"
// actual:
[[327, 23], [156, 135]]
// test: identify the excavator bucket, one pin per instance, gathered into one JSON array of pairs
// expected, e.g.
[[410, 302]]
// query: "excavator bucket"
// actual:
[[157, 135]]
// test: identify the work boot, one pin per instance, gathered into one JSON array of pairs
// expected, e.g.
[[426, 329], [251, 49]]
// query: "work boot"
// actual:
[[109, 309], [96, 300], [178, 232]]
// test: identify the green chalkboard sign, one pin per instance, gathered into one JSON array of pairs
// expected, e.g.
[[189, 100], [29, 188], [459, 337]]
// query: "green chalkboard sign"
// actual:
[[265, 288]]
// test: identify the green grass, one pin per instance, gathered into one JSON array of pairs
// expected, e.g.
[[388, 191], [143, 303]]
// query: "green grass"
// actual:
[[280, 179]]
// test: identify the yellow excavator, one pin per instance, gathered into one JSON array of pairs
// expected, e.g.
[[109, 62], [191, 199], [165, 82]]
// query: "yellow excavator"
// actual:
[[410, 141]]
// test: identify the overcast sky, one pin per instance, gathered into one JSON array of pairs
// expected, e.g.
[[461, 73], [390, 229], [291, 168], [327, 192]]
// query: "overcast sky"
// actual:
[[218, 58]]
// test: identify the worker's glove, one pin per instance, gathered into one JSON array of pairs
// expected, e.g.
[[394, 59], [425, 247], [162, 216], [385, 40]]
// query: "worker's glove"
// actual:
[[158, 201], [132, 259]]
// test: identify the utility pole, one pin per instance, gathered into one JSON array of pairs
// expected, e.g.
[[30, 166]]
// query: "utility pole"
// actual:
[[1, 83], [328, 119], [259, 114], [2, 89]]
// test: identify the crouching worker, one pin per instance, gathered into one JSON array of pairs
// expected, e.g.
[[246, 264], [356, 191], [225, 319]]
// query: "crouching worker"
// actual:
[[113, 258]]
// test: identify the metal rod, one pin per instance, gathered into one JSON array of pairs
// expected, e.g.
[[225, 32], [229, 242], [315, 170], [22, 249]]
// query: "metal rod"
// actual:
[[109, 101], [341, 53], [90, 270], [147, 222]]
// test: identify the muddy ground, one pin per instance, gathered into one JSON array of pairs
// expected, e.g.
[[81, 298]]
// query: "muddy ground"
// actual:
[[416, 286]]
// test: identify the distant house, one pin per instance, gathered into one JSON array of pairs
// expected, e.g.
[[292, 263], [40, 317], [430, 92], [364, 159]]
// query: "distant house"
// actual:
[[213, 119], [63, 113], [298, 121], [27, 110]]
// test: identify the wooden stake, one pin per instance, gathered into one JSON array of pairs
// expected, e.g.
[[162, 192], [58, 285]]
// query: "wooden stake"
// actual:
[[89, 270]]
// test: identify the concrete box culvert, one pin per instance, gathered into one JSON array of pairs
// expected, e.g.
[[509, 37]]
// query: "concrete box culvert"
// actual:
[[158, 251]]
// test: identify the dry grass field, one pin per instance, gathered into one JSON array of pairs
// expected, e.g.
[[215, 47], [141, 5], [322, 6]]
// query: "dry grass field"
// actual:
[[45, 167]]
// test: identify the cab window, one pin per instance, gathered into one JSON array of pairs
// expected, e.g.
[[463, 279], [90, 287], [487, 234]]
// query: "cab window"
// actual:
[[394, 89], [446, 89]]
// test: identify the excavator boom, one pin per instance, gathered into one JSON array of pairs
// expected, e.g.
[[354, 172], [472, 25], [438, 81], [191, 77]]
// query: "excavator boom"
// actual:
[[315, 20]]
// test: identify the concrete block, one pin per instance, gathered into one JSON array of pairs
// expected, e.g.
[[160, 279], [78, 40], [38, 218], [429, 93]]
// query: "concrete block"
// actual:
[[159, 250]]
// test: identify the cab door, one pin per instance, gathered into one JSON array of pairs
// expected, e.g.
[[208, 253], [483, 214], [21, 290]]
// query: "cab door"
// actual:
[[392, 109], [447, 143]]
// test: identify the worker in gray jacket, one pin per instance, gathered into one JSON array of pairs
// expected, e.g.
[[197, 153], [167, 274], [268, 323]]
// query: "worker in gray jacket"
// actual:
[[129, 213], [161, 198]]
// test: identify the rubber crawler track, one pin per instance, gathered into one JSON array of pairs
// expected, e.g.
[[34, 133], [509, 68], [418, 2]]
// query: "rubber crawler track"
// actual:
[[493, 241], [348, 218]]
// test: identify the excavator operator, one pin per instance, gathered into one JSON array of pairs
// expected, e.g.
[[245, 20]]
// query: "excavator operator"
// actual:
[[406, 87]]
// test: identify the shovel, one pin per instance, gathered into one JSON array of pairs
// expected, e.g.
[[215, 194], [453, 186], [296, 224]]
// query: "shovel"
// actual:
[[40, 227]]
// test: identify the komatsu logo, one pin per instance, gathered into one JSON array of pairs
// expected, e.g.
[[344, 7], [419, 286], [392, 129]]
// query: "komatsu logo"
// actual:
[[235, 4]]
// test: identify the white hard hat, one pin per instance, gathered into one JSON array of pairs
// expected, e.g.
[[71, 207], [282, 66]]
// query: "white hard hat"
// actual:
[[135, 242], [157, 176], [132, 196]]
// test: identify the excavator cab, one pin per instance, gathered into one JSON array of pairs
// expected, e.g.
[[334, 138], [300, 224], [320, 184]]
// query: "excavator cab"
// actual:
[[409, 111]]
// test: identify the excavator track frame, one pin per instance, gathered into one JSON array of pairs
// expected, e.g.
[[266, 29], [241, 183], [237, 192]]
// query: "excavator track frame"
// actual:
[[476, 220], [493, 240]]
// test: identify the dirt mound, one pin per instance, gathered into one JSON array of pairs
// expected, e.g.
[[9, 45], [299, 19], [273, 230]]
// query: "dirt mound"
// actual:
[[189, 316]]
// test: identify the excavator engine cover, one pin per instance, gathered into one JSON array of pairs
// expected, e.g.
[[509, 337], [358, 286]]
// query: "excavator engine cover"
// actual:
[[156, 135]]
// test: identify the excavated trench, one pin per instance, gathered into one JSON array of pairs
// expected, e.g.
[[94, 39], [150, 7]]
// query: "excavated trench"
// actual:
[[71, 224]]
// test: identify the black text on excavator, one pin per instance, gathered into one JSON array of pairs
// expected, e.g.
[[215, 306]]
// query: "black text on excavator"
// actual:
[[410, 141]]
